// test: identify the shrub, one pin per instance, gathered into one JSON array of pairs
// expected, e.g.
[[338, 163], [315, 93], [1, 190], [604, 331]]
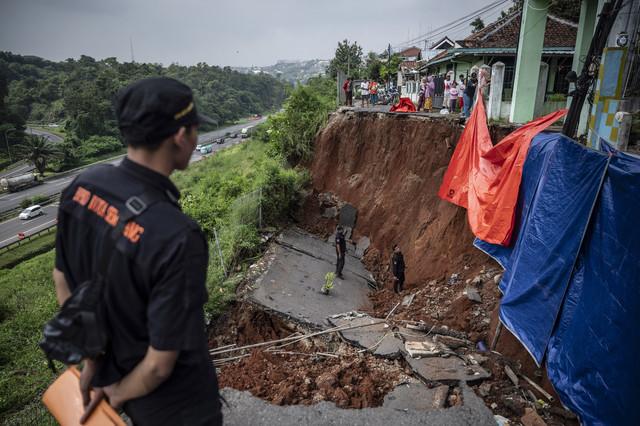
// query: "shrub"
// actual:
[[291, 133], [557, 97]]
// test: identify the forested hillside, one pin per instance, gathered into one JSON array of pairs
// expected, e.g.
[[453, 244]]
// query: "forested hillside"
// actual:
[[78, 95]]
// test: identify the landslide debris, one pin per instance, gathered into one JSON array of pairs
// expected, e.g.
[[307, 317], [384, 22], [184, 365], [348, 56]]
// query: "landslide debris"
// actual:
[[390, 167]]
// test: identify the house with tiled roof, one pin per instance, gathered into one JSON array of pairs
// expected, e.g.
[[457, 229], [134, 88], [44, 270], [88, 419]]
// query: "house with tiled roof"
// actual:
[[498, 42], [410, 58]]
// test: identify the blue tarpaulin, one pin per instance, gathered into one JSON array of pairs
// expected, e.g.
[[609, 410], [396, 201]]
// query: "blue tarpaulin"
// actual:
[[572, 275]]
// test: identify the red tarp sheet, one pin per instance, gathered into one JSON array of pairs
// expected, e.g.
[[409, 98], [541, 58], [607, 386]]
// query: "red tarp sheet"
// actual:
[[485, 179], [405, 105]]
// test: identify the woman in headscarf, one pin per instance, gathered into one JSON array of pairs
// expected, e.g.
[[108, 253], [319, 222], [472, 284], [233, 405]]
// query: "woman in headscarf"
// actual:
[[429, 92]]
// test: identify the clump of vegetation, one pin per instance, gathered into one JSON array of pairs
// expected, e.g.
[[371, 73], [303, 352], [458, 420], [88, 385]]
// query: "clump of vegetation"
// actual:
[[557, 97], [328, 283], [37, 199], [290, 134]]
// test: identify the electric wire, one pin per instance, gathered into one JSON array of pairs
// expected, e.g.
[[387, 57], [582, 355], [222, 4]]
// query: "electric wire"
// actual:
[[451, 25]]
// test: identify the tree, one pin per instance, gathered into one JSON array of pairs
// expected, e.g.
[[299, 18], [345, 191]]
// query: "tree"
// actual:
[[477, 25], [388, 71], [374, 70], [348, 58], [36, 150]]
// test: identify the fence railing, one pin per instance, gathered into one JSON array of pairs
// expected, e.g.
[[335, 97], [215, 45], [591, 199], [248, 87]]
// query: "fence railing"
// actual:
[[28, 237], [248, 208]]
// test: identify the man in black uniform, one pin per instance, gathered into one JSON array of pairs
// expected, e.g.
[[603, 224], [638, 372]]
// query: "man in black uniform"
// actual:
[[341, 251], [398, 269], [156, 365]]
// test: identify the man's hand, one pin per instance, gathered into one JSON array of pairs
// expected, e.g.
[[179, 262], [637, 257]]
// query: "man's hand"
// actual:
[[91, 404], [90, 366]]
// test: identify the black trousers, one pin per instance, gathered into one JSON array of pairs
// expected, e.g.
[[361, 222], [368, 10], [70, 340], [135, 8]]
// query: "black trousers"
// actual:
[[399, 282], [339, 265]]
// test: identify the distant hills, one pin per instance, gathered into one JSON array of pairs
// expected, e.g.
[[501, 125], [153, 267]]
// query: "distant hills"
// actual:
[[290, 71]]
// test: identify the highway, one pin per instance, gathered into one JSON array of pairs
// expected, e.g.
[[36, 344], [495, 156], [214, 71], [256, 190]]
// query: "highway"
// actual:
[[9, 229]]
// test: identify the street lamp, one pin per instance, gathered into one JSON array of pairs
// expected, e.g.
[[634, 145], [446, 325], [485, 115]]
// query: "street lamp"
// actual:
[[7, 141]]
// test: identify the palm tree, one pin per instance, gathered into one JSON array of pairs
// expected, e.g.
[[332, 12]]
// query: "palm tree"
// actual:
[[37, 150]]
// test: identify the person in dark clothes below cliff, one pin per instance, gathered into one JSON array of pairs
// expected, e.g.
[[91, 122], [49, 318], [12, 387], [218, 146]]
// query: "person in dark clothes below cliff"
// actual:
[[341, 250], [398, 269]]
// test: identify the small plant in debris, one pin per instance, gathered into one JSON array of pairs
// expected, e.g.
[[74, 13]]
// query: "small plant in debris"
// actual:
[[328, 284]]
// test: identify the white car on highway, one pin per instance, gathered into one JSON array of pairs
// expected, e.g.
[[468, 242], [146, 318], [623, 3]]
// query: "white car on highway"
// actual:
[[30, 212]]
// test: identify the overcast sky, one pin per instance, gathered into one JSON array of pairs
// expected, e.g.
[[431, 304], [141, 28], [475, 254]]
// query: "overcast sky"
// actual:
[[229, 32]]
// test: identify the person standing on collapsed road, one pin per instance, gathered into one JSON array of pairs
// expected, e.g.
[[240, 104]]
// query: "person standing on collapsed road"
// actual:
[[156, 365], [341, 250], [398, 269]]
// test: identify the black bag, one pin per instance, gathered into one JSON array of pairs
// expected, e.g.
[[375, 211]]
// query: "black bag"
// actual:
[[79, 330]]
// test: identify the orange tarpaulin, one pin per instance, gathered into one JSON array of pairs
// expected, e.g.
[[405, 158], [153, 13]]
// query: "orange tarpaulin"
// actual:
[[485, 179], [404, 105]]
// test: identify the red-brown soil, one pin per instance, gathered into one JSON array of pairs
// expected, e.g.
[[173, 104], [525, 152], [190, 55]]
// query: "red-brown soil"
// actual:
[[294, 373], [390, 168]]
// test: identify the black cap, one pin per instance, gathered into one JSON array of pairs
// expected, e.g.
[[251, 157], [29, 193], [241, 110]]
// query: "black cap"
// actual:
[[340, 228], [393, 247], [152, 109]]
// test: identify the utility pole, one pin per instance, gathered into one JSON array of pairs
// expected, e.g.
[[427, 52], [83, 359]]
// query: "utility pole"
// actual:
[[591, 64], [389, 66]]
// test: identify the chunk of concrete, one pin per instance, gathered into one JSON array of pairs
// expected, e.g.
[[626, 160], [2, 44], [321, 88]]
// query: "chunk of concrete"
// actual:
[[362, 246], [330, 212], [347, 216], [446, 370], [474, 295], [416, 396], [371, 333], [423, 349]]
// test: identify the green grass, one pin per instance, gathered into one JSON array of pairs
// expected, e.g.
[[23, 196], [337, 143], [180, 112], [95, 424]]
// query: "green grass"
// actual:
[[14, 255], [27, 301]]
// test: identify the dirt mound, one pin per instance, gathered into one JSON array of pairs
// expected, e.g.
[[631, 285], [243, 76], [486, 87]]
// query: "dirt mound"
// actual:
[[303, 373]]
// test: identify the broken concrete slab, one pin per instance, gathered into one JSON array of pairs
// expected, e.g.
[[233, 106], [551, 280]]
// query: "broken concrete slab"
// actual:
[[242, 408], [291, 285], [313, 246], [347, 216], [385, 342], [377, 337], [416, 396], [362, 246], [446, 370]]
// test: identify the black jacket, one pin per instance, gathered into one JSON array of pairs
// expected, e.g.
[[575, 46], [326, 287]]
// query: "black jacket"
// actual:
[[398, 264]]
